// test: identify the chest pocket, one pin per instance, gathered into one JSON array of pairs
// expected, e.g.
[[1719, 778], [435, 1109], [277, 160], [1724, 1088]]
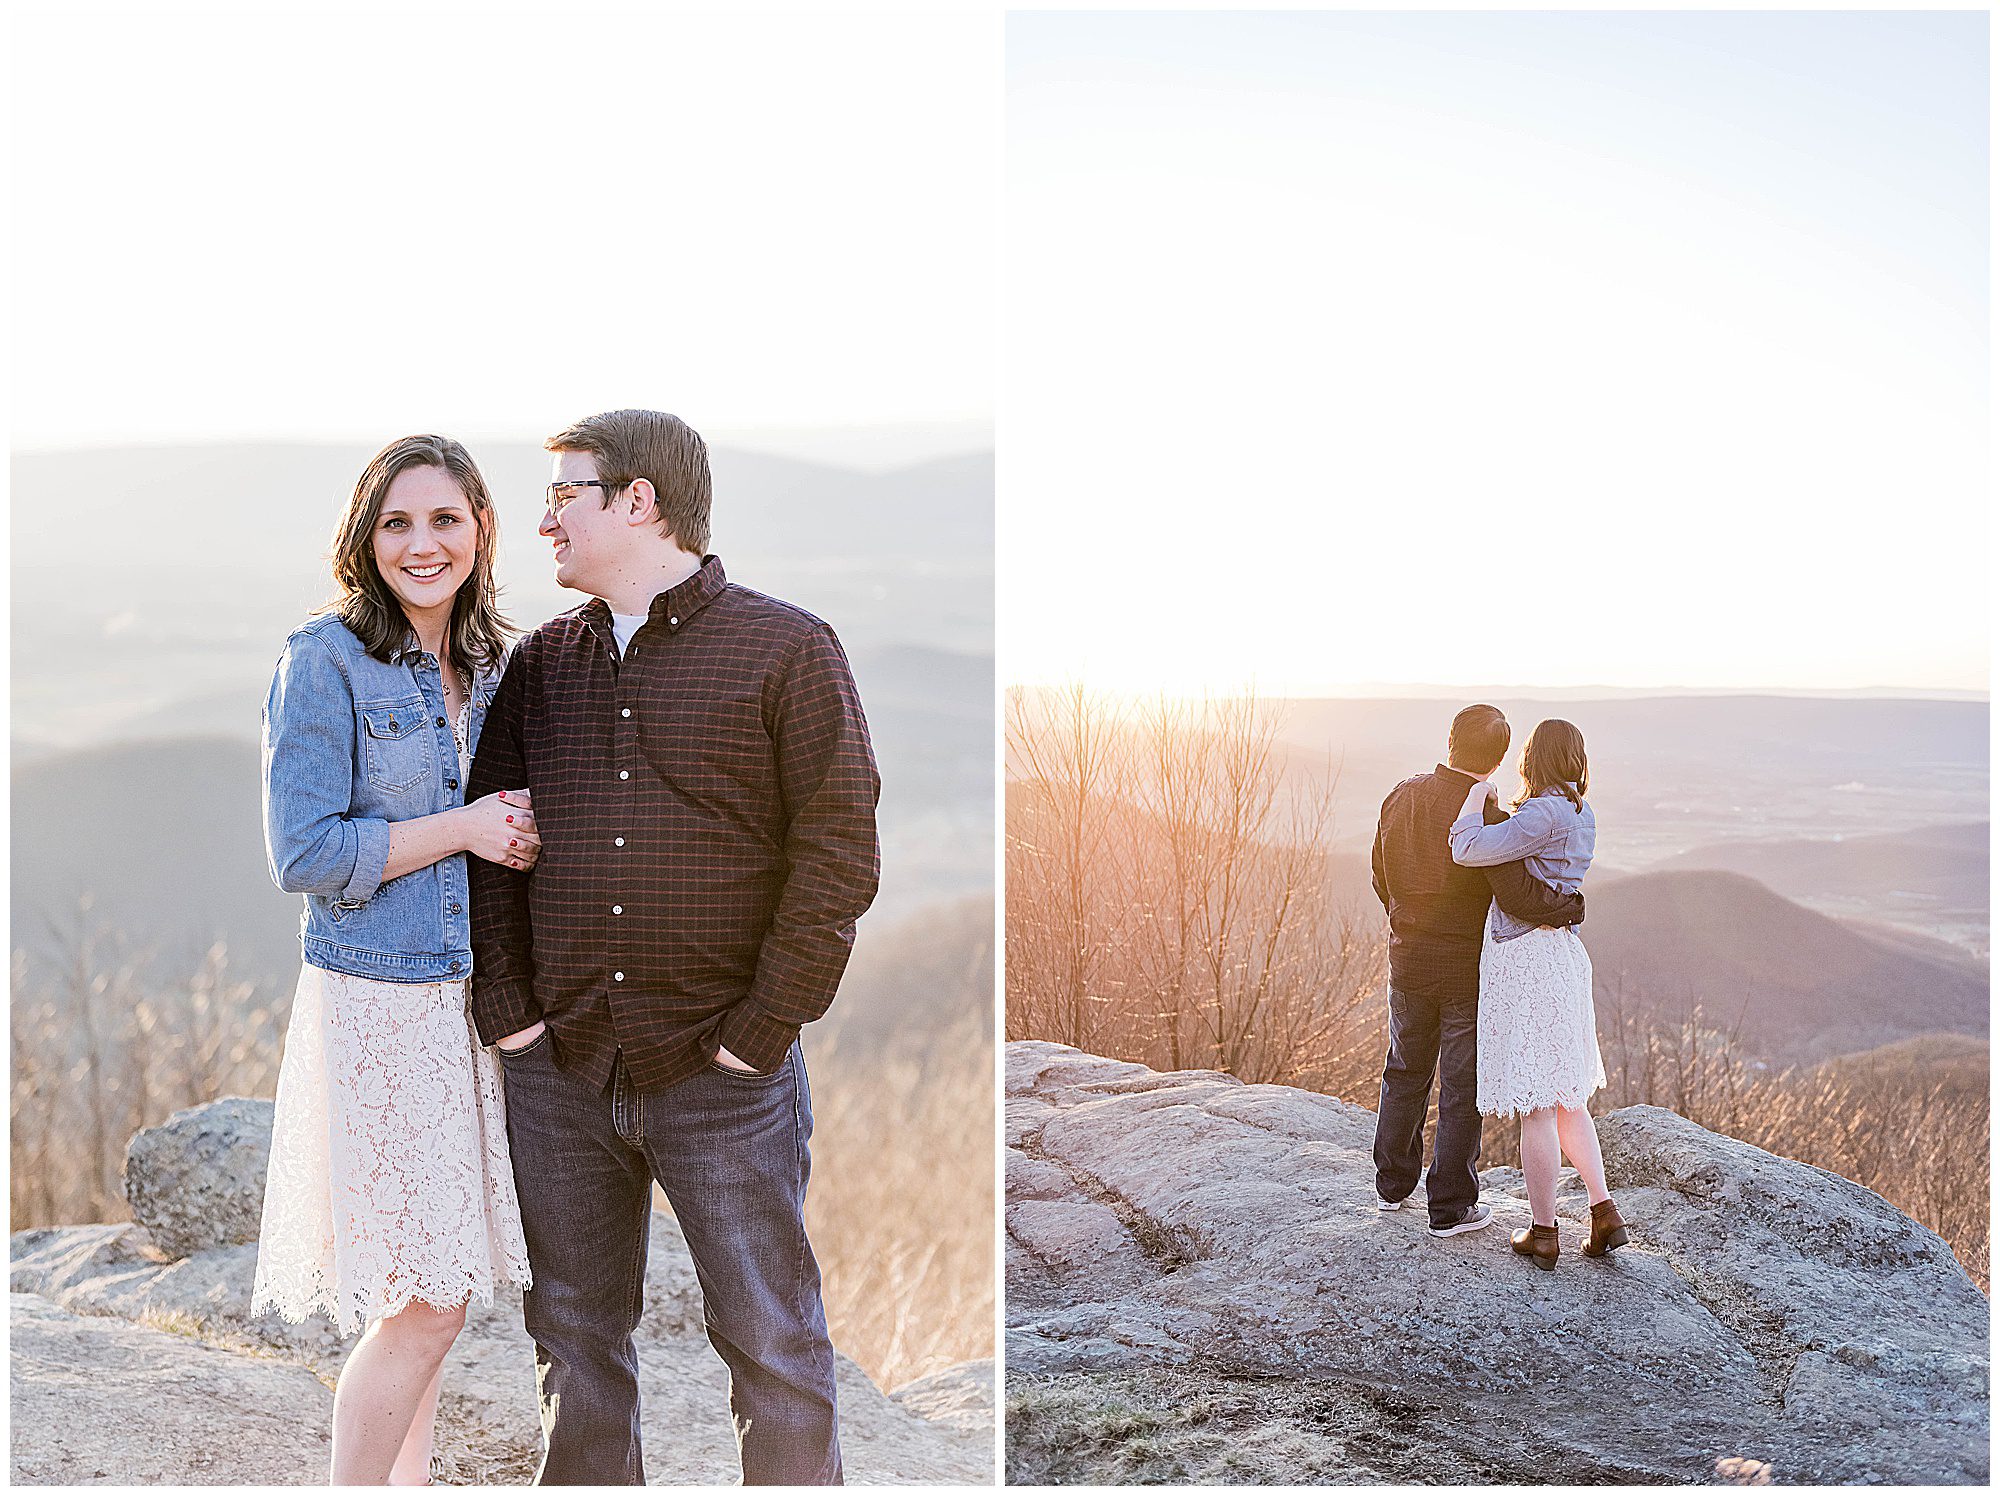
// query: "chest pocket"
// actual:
[[397, 752]]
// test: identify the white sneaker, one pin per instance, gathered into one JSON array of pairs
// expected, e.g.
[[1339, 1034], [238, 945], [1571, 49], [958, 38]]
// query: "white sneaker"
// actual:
[[1475, 1219], [1381, 1204]]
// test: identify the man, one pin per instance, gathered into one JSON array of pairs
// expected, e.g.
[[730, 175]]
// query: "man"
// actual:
[[1437, 911], [705, 793]]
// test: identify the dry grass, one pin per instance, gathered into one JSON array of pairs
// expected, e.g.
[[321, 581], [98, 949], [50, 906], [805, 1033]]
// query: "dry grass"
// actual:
[[1915, 1131], [105, 1044], [901, 1209]]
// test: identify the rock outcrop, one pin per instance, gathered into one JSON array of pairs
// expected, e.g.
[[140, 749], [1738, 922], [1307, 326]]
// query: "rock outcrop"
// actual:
[[132, 1366], [197, 1180], [1173, 1236]]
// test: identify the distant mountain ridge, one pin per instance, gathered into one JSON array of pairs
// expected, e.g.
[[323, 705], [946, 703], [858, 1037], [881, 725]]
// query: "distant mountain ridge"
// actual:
[[894, 679], [1799, 986], [1940, 873], [1672, 774], [1951, 1062], [219, 551]]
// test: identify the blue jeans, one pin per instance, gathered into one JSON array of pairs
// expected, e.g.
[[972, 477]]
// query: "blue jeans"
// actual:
[[730, 1151], [1430, 1035]]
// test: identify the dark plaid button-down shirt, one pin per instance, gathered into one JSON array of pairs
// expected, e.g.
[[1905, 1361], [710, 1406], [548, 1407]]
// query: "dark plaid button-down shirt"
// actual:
[[1437, 908], [707, 813]]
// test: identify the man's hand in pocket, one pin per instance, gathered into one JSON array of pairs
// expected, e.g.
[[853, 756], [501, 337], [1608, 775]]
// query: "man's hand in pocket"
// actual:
[[523, 1039]]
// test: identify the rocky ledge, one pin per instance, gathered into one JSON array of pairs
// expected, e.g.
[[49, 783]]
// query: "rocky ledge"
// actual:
[[136, 1365], [1200, 1288]]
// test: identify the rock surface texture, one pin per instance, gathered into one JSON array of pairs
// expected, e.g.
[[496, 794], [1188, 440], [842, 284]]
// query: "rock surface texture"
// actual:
[[1171, 1236], [133, 1367]]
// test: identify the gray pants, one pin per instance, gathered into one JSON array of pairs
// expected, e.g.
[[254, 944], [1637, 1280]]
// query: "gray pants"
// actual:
[[730, 1152], [1428, 1036]]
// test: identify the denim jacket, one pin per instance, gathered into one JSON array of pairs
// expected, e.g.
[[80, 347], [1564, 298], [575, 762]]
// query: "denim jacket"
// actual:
[[1553, 837], [350, 745]]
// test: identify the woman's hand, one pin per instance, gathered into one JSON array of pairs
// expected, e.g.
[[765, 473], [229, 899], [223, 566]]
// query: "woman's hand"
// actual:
[[1475, 798], [501, 828]]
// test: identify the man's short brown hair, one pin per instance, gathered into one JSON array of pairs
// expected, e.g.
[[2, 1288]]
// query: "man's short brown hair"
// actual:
[[1479, 739], [662, 449]]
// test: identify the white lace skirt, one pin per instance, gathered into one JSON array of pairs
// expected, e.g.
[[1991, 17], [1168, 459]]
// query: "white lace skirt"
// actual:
[[1537, 1023], [389, 1179]]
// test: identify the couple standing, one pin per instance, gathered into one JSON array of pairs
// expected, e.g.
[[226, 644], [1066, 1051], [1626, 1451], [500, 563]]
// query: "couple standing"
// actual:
[[1489, 983], [668, 797]]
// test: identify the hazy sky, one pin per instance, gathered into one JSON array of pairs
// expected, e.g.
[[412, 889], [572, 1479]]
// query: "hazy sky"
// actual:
[[1547, 349], [351, 227]]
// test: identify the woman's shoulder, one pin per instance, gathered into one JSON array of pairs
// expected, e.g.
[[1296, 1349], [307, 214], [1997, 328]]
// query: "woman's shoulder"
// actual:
[[320, 656], [328, 629], [1555, 808]]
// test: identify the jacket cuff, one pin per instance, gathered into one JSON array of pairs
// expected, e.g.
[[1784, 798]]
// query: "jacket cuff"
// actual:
[[755, 1037], [502, 1008], [371, 856]]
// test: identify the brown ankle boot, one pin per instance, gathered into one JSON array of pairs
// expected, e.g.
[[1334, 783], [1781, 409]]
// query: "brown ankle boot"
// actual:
[[1540, 1243], [1607, 1230]]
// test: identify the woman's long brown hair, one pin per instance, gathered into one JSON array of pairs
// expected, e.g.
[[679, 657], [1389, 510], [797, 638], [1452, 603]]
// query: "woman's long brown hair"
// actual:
[[1553, 759], [477, 638]]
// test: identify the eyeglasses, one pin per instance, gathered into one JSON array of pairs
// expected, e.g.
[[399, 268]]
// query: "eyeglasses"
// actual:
[[561, 493]]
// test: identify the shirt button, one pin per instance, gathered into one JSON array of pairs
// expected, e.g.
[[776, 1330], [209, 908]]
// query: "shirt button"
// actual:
[[617, 841], [624, 773], [616, 976], [617, 908], [451, 784], [626, 712], [674, 621], [443, 723]]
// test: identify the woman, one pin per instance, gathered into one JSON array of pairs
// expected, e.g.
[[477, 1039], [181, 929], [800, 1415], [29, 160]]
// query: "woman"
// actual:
[[1537, 1025], [390, 1197]]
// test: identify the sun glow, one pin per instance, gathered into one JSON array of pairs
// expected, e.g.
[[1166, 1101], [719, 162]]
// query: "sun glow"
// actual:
[[1567, 349]]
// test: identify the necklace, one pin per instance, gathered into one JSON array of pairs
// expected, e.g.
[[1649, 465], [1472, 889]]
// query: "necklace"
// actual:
[[461, 720]]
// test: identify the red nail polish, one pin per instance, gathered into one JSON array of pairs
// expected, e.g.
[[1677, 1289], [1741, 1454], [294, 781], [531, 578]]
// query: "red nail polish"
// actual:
[[510, 820]]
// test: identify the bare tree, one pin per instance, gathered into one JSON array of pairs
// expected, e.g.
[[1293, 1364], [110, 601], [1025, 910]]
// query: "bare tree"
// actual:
[[1061, 932], [1199, 900], [1256, 970]]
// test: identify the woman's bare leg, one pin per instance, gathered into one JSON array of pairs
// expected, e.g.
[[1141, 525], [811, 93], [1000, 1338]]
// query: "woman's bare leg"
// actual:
[[382, 1386], [413, 1464], [1578, 1134], [1541, 1163]]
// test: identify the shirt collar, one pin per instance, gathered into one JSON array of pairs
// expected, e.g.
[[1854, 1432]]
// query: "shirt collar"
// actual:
[[411, 652], [409, 649], [676, 605], [1469, 778]]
